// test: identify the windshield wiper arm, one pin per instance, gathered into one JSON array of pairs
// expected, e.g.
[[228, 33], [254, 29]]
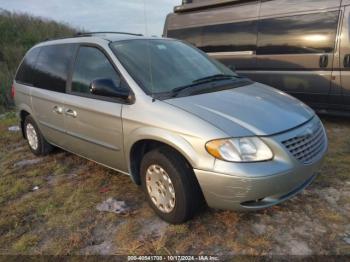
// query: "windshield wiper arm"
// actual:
[[201, 81], [214, 77], [177, 90]]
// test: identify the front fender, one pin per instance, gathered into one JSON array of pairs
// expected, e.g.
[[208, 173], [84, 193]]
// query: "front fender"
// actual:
[[176, 141]]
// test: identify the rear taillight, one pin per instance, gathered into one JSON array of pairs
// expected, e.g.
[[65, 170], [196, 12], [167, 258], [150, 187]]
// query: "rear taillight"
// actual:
[[13, 91]]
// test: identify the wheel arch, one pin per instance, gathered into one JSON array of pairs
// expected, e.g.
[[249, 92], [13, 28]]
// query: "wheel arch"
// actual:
[[23, 112], [137, 148]]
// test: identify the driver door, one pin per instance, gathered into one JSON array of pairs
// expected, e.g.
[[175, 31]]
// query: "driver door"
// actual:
[[93, 123]]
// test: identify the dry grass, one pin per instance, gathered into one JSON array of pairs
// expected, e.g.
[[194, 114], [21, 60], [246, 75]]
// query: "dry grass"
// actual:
[[61, 217]]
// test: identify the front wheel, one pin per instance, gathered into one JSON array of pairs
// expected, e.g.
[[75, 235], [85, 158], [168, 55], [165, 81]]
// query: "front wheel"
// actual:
[[170, 185]]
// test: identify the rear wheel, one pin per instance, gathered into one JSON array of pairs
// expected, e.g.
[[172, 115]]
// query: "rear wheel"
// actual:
[[170, 185], [37, 143]]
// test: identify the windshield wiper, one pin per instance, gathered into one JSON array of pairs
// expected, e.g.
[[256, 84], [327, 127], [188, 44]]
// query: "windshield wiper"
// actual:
[[201, 81], [214, 78], [177, 90]]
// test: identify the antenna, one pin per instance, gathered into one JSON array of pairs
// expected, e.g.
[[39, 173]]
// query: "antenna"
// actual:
[[145, 17], [148, 51]]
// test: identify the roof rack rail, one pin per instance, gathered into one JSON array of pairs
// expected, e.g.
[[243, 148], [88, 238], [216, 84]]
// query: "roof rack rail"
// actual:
[[82, 34], [59, 38], [79, 34], [190, 5]]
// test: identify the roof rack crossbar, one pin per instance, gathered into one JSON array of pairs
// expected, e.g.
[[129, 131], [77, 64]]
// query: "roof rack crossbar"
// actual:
[[79, 34]]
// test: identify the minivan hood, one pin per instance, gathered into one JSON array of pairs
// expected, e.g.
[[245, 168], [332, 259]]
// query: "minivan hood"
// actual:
[[258, 109]]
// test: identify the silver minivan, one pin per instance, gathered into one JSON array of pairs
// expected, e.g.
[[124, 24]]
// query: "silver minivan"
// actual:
[[182, 125], [301, 47]]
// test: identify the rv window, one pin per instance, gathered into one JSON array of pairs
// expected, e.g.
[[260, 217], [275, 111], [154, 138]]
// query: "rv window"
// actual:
[[220, 38], [314, 33], [230, 37], [191, 35]]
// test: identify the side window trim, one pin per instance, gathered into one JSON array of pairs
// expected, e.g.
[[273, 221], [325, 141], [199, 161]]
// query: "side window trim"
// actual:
[[71, 69], [74, 63]]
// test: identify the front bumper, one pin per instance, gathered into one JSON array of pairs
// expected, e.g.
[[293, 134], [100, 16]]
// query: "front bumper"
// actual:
[[253, 186]]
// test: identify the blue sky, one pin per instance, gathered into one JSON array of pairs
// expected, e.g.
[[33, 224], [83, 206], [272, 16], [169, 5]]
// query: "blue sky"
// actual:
[[99, 15]]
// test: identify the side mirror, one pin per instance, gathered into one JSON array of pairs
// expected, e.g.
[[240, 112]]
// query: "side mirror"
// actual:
[[107, 88]]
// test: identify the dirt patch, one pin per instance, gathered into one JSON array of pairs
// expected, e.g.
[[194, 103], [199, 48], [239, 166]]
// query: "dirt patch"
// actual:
[[28, 162], [114, 206]]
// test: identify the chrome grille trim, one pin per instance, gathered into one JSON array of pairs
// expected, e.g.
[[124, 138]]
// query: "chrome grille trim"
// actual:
[[307, 147]]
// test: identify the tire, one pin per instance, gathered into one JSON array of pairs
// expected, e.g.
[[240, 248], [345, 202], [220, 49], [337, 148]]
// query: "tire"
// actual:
[[36, 142], [187, 193]]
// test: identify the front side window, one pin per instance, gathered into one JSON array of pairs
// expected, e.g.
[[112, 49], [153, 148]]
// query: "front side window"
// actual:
[[302, 34], [91, 64], [162, 66], [52, 67]]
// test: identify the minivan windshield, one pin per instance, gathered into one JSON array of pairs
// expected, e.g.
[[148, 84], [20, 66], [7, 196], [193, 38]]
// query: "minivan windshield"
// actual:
[[165, 66]]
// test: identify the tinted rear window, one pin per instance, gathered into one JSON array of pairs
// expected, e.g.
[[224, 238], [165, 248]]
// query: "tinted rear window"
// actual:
[[26, 70], [312, 33], [52, 67]]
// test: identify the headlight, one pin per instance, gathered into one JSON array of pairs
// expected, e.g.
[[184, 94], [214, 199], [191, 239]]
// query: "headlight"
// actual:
[[246, 149]]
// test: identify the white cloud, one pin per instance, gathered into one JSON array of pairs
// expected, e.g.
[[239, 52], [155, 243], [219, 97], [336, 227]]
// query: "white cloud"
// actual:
[[100, 15]]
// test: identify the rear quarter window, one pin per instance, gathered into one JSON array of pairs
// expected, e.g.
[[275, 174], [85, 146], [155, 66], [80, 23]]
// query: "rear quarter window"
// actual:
[[25, 73]]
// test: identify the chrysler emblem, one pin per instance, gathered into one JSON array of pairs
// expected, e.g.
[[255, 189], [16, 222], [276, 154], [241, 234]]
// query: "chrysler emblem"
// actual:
[[309, 131]]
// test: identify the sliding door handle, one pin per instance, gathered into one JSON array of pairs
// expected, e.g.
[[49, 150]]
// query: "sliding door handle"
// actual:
[[324, 61], [347, 61], [72, 113], [58, 110]]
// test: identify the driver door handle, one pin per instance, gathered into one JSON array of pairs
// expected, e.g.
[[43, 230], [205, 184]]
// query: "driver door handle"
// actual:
[[72, 113]]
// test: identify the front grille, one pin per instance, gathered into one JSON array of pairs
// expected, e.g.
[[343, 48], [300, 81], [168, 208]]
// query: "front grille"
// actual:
[[307, 147]]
